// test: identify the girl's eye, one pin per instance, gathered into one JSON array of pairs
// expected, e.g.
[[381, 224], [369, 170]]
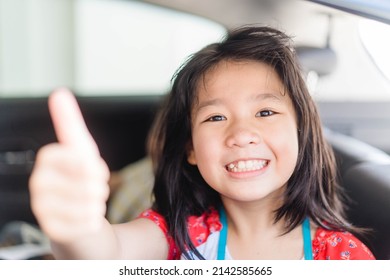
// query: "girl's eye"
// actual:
[[265, 113], [216, 119]]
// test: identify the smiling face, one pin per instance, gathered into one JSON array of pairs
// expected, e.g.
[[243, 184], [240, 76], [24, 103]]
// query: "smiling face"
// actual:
[[244, 131]]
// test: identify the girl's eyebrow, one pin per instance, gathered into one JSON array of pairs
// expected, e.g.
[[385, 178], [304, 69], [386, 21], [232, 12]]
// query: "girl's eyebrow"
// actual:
[[268, 95], [258, 97], [211, 102]]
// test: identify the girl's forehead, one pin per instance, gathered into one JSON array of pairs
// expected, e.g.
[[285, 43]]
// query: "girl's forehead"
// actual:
[[229, 74]]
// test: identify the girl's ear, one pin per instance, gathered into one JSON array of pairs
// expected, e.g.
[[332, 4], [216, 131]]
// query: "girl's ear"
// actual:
[[191, 158]]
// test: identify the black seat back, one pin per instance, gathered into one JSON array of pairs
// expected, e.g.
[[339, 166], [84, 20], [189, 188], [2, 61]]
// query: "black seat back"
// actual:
[[365, 175]]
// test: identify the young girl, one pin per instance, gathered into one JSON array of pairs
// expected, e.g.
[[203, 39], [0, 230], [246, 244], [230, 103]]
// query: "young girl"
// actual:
[[242, 170]]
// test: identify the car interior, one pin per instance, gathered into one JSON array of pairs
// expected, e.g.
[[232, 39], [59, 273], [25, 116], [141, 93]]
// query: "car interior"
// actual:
[[357, 129]]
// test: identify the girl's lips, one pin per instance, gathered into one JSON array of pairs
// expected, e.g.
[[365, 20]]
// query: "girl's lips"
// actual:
[[246, 165]]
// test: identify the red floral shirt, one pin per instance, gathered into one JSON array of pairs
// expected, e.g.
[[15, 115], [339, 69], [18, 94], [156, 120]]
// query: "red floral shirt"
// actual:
[[204, 233]]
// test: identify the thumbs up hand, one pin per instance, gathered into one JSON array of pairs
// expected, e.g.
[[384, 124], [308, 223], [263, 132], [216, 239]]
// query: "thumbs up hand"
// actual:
[[68, 185]]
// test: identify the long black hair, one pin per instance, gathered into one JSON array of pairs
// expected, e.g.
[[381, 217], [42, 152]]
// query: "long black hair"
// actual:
[[180, 190]]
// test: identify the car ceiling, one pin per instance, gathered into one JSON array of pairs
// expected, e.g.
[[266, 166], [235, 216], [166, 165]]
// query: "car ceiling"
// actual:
[[373, 9], [229, 13], [233, 13], [290, 16]]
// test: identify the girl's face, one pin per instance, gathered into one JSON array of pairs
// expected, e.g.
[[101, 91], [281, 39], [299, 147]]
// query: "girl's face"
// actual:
[[244, 131]]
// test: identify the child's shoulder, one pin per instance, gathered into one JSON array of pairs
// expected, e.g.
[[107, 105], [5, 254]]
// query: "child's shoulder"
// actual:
[[199, 228], [339, 245]]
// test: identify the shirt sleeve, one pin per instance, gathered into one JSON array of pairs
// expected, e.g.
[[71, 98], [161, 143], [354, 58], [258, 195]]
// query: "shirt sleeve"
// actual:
[[335, 245], [173, 252]]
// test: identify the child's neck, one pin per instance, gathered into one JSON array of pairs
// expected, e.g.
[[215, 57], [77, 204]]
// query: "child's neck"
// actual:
[[252, 233], [250, 219]]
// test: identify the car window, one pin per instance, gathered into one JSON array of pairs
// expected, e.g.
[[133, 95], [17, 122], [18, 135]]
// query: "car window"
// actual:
[[373, 34], [95, 47], [355, 73]]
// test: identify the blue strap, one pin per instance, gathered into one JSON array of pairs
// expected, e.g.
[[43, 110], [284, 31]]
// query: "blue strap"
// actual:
[[222, 235], [307, 247]]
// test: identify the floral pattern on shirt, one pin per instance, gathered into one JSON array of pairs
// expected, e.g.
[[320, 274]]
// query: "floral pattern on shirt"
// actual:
[[326, 244], [336, 245]]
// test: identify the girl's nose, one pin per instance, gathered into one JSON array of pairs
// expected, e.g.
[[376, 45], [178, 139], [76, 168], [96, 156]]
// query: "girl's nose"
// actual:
[[242, 135]]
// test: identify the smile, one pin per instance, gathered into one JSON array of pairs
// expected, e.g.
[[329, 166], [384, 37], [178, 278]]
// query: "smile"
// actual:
[[246, 165]]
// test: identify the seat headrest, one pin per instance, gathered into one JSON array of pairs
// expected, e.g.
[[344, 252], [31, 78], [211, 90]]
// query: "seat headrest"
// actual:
[[320, 60]]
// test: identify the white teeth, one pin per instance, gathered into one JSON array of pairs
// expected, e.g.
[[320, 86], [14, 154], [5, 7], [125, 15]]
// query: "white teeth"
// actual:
[[241, 164], [248, 165]]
